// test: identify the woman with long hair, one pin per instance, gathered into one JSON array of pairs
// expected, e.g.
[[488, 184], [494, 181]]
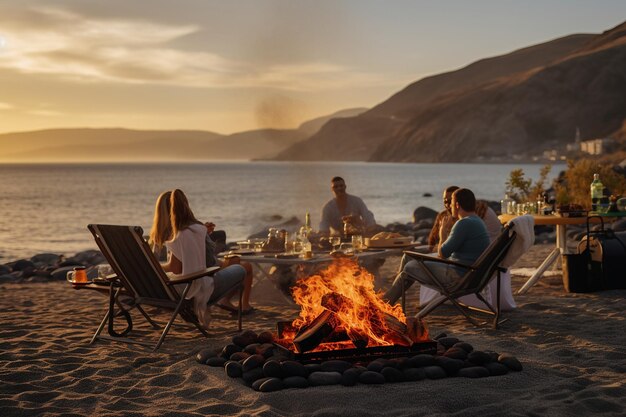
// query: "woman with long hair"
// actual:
[[173, 208]]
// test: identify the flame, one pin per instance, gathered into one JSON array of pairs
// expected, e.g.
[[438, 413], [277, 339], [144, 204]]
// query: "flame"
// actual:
[[347, 290]]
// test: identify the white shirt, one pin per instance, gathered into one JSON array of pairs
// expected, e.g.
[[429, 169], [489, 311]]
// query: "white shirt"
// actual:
[[188, 247]]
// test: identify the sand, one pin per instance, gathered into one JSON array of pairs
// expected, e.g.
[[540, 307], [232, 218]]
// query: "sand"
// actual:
[[572, 346]]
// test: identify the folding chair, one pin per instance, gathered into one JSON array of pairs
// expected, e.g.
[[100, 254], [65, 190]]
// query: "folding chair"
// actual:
[[476, 278], [142, 280]]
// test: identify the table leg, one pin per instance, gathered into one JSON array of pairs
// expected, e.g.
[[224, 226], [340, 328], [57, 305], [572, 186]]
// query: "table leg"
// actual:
[[554, 255]]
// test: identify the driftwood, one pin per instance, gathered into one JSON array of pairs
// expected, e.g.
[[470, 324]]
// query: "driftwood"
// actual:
[[309, 337]]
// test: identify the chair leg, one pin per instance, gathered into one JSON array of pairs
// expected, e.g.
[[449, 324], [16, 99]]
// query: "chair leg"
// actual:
[[101, 327], [403, 289], [143, 313], [462, 310], [497, 318], [240, 308], [433, 304], [169, 323]]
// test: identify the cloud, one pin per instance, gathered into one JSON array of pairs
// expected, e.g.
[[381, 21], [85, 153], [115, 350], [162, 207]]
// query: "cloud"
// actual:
[[67, 45]]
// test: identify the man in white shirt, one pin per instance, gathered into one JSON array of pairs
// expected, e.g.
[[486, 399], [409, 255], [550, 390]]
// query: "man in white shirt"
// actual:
[[342, 207]]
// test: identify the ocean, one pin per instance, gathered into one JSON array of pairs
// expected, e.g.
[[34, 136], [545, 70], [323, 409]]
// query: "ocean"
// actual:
[[46, 207]]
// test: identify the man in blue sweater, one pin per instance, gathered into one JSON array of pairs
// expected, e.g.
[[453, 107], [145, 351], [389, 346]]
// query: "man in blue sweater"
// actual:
[[466, 242]]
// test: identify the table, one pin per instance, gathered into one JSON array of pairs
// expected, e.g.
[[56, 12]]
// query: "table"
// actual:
[[561, 224], [264, 261]]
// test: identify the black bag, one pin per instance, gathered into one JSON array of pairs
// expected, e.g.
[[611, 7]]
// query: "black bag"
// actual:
[[609, 248], [582, 273]]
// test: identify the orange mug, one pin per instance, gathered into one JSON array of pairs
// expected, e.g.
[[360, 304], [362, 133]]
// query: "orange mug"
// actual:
[[78, 275]]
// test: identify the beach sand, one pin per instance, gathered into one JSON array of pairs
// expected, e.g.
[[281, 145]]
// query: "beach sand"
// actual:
[[572, 347]]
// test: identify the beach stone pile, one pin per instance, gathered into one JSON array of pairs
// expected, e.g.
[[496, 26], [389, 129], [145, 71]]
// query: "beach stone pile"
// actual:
[[46, 267], [255, 360]]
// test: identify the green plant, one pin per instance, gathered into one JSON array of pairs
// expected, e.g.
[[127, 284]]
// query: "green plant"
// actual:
[[521, 189]]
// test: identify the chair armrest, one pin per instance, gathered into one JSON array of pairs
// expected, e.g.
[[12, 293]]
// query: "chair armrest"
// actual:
[[192, 277], [424, 257]]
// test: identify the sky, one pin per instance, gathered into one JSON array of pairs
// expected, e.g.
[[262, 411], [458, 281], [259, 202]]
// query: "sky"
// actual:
[[229, 66]]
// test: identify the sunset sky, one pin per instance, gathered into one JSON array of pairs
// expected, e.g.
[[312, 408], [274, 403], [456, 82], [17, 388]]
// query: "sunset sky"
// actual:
[[229, 66]]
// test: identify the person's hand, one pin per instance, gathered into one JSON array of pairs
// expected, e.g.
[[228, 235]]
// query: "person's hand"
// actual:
[[210, 227]]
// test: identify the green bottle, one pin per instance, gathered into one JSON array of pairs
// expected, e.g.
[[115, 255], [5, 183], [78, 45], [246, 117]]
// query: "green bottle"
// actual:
[[597, 193]]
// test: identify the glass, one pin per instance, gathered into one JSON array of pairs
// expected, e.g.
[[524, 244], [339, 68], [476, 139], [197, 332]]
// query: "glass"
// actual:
[[77, 276], [357, 242], [335, 241], [346, 248], [104, 270]]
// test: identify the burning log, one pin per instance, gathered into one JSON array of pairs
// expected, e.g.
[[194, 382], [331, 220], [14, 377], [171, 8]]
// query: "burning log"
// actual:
[[310, 337]]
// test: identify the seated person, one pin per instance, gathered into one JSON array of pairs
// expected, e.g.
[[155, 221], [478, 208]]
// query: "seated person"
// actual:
[[346, 208], [467, 240], [441, 229], [162, 234]]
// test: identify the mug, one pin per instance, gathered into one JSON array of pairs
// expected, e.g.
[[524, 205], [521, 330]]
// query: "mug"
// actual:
[[78, 275]]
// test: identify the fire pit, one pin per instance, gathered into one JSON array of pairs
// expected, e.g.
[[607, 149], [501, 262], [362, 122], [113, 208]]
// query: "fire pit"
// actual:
[[346, 334]]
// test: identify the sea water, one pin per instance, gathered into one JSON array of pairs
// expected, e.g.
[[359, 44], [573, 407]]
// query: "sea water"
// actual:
[[46, 207]]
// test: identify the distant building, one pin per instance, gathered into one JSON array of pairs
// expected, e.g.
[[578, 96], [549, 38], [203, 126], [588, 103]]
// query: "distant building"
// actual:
[[574, 147], [597, 146]]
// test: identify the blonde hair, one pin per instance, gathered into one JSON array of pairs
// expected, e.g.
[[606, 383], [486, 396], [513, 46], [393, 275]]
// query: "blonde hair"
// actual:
[[161, 224], [181, 215]]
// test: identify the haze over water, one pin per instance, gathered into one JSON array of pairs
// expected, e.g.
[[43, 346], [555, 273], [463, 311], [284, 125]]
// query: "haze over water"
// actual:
[[46, 207]]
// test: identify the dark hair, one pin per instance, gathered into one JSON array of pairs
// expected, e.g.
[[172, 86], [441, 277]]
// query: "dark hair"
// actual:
[[451, 189], [335, 179], [465, 198]]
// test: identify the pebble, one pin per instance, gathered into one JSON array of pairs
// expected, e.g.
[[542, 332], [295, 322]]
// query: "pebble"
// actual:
[[510, 361], [414, 374], [369, 377], [451, 366], [324, 378], [421, 360], [272, 384], [435, 372], [296, 382], [273, 369], [392, 374], [204, 354], [216, 361], [252, 348], [465, 346], [228, 350], [474, 372], [335, 366], [455, 353], [375, 366], [252, 362], [251, 376], [350, 377], [496, 369], [313, 367], [233, 369], [265, 337], [256, 385], [479, 357], [293, 368], [448, 342], [239, 356]]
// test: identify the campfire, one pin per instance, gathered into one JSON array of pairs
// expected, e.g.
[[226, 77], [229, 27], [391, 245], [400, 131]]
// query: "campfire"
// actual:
[[342, 315]]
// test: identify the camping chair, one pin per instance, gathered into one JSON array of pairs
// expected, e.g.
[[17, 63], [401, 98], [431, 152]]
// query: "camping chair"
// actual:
[[142, 280], [476, 278]]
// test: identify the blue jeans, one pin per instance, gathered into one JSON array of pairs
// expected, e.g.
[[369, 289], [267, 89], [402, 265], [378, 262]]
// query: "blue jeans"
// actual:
[[226, 279]]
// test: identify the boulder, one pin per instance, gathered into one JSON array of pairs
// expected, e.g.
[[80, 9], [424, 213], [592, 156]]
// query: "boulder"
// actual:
[[60, 274], [47, 259], [22, 265], [422, 213]]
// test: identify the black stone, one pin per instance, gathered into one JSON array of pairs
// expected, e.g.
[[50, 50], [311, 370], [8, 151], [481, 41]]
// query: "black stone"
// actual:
[[448, 342], [335, 366], [233, 369], [267, 351], [465, 346], [246, 338], [399, 363], [350, 377], [273, 369], [392, 374], [478, 357], [324, 378], [22, 264], [510, 362], [451, 366], [252, 362], [496, 369], [293, 368], [414, 374], [265, 337], [375, 366], [251, 376], [296, 382], [216, 361], [440, 335], [252, 348], [421, 360], [435, 372], [456, 353], [474, 372], [313, 367], [256, 385], [229, 350], [369, 377], [272, 384], [239, 356], [494, 355], [204, 354]]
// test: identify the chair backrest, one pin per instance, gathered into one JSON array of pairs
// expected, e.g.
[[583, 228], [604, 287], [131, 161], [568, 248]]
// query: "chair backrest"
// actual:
[[133, 261], [485, 266]]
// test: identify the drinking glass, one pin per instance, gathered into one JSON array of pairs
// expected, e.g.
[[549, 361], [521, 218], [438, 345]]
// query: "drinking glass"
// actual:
[[104, 270], [335, 241], [357, 242]]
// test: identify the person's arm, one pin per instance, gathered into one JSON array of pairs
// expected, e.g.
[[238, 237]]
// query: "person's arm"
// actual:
[[366, 215], [454, 241], [325, 222], [173, 265]]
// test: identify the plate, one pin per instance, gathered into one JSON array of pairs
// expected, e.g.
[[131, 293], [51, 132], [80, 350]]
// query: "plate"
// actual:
[[80, 284], [404, 245]]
